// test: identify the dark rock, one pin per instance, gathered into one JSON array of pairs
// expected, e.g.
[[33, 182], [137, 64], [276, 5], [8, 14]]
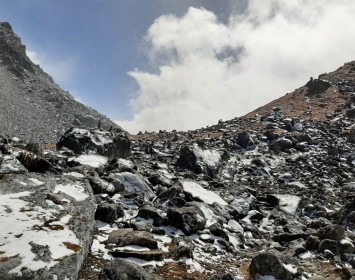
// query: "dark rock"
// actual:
[[227, 276], [101, 186], [127, 236], [245, 140], [317, 86], [34, 163], [183, 251], [199, 160], [112, 144], [188, 219], [124, 270], [312, 243], [149, 212], [151, 255], [333, 232], [108, 213], [268, 264], [281, 144], [328, 244]]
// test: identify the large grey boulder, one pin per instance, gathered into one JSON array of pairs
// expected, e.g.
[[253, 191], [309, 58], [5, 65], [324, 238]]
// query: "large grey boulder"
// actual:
[[199, 160], [267, 264], [47, 226], [109, 143], [9, 164], [123, 270], [189, 219]]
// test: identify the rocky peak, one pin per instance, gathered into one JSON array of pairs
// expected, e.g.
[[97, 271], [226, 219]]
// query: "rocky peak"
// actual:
[[12, 51]]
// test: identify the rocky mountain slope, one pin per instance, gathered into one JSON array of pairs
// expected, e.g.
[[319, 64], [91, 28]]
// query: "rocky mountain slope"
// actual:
[[32, 106], [266, 196]]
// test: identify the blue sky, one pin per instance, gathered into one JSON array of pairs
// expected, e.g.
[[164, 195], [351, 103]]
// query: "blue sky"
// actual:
[[89, 46], [180, 64]]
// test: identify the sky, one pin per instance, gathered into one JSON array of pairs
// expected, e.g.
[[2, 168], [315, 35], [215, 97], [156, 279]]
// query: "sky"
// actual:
[[176, 64]]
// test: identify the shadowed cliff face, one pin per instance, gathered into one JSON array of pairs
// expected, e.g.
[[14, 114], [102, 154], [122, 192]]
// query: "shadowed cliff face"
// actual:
[[32, 106]]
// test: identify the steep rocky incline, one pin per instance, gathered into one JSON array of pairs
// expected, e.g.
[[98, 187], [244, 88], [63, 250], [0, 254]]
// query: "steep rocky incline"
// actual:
[[32, 106]]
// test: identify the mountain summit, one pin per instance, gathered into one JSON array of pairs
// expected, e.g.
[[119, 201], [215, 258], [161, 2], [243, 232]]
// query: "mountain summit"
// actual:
[[32, 106]]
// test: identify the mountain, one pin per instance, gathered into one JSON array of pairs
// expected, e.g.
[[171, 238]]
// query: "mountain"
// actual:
[[270, 195], [32, 106]]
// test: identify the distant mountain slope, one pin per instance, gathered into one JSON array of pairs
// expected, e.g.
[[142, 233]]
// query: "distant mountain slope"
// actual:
[[331, 93], [32, 106]]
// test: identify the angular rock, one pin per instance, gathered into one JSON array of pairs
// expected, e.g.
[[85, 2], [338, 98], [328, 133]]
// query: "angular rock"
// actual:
[[120, 269], [9, 164], [268, 264], [149, 212], [151, 255], [101, 186], [281, 144], [108, 213], [199, 160], [112, 144], [41, 239], [189, 219], [245, 140], [127, 236]]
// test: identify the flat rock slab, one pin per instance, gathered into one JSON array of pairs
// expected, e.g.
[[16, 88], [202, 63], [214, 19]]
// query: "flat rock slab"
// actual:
[[151, 255], [42, 237], [126, 236]]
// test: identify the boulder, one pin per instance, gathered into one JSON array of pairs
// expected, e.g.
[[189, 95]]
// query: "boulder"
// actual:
[[199, 160], [124, 270], [111, 144], [149, 212], [127, 236], [281, 144], [108, 213], [267, 264], [9, 164], [189, 219], [101, 186], [43, 240], [245, 140]]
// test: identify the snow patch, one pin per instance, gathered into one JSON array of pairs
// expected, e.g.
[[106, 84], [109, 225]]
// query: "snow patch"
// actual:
[[94, 161], [206, 196], [75, 191], [20, 232]]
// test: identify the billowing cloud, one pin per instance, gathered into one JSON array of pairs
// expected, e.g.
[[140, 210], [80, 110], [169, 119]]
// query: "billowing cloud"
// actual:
[[204, 70]]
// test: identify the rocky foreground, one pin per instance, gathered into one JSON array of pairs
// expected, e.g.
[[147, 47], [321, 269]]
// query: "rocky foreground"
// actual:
[[266, 196]]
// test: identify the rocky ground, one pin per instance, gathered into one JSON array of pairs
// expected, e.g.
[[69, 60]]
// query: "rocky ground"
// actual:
[[266, 196]]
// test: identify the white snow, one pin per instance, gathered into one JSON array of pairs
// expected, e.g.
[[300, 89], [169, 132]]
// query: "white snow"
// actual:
[[74, 174], [75, 191], [20, 218], [206, 196], [135, 248], [94, 161], [307, 255], [210, 157], [288, 203], [36, 182], [291, 268]]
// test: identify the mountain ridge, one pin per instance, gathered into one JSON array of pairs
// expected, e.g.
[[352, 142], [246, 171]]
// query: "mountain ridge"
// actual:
[[33, 107]]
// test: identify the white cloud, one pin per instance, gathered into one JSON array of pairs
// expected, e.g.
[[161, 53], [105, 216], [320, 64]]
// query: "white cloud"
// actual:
[[208, 70]]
